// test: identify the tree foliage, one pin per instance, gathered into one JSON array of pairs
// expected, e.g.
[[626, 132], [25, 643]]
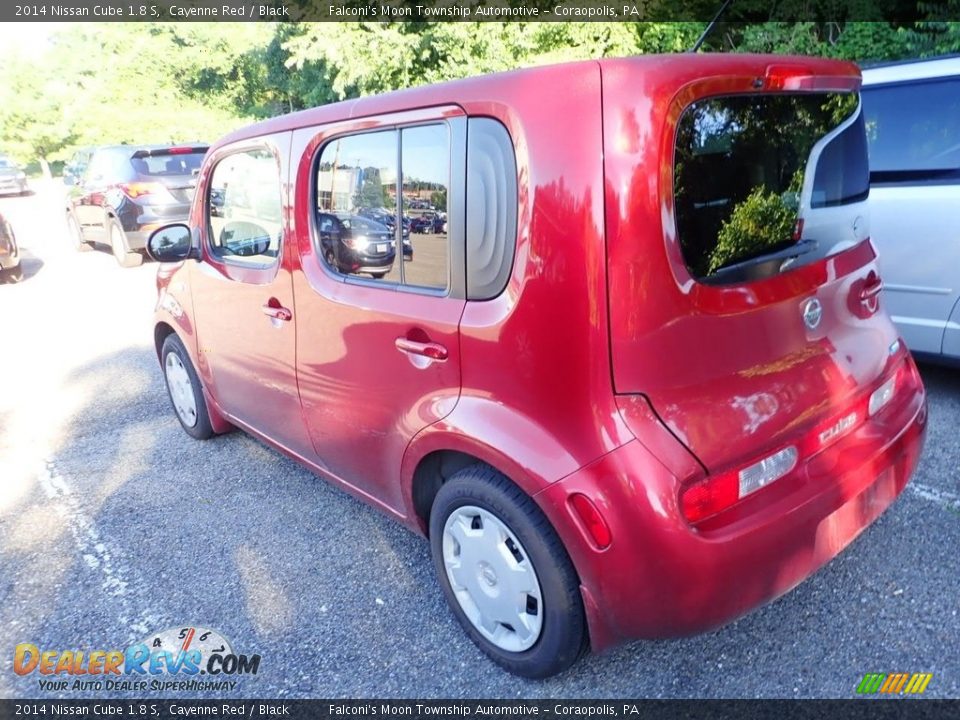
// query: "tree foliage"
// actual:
[[127, 82]]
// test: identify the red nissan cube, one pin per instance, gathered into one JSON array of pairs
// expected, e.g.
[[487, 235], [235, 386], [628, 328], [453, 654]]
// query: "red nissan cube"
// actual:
[[639, 383]]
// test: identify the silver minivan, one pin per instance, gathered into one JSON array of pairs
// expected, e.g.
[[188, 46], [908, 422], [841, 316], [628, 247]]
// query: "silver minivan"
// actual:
[[912, 114]]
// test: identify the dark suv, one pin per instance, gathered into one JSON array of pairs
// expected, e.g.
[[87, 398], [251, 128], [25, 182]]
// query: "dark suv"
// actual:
[[127, 191]]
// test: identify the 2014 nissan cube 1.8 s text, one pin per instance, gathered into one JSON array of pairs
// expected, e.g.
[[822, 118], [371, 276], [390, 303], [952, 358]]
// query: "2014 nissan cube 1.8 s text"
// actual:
[[643, 382]]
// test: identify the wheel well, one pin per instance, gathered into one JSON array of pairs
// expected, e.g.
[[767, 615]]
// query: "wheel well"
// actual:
[[432, 472], [160, 333]]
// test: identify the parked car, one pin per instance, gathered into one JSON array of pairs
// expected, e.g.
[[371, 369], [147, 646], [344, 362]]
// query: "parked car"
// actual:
[[355, 244], [913, 116], [12, 177], [427, 223], [618, 406], [127, 191], [10, 269]]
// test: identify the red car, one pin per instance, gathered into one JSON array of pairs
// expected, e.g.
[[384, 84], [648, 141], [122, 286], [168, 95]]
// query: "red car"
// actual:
[[644, 384]]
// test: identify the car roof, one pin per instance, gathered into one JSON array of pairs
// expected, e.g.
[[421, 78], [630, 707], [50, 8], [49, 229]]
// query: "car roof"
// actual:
[[904, 70], [487, 86]]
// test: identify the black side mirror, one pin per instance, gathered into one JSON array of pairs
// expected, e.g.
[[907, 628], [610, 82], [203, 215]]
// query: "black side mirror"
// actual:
[[172, 243]]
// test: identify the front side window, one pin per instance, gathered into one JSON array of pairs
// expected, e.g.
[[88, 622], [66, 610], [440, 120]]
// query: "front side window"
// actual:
[[914, 129], [381, 206], [245, 208], [753, 171]]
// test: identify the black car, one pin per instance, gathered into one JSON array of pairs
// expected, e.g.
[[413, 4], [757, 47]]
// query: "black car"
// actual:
[[127, 191], [355, 244], [12, 177], [9, 253], [429, 223]]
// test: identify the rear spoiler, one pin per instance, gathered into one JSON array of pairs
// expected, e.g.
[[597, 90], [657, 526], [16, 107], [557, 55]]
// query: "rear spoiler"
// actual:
[[177, 150]]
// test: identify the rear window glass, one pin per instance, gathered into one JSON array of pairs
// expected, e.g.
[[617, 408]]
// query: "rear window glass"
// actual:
[[755, 175], [180, 164], [913, 128]]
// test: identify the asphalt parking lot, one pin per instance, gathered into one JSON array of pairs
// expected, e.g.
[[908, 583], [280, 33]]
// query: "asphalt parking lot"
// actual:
[[115, 525]]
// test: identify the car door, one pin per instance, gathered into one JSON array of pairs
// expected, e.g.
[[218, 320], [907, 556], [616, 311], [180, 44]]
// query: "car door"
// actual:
[[87, 196], [242, 294], [914, 140], [378, 347]]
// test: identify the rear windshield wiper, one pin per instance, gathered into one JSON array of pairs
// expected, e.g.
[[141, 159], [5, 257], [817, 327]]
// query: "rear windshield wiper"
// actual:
[[762, 266]]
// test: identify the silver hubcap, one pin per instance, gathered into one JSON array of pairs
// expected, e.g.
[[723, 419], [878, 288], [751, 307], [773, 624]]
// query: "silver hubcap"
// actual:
[[181, 390], [492, 578]]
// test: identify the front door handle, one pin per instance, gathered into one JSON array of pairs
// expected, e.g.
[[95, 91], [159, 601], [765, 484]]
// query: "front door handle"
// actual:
[[434, 351], [275, 310]]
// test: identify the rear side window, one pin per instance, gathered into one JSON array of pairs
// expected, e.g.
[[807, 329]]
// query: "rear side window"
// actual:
[[913, 129], [751, 171], [244, 208], [382, 203], [168, 164]]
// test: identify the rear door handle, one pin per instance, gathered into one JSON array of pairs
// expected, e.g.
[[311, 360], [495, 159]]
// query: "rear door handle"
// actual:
[[871, 288], [434, 351], [275, 310]]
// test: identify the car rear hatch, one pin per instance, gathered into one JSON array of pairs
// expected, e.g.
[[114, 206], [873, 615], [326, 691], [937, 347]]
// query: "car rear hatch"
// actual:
[[743, 288], [173, 168]]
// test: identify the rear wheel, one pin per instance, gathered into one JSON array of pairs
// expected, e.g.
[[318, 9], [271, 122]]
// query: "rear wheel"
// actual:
[[13, 275], [118, 244], [184, 389], [506, 574], [379, 276], [76, 238]]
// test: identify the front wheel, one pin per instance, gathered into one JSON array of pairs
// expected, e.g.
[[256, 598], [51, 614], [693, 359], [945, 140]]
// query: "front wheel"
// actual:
[[184, 389], [506, 574]]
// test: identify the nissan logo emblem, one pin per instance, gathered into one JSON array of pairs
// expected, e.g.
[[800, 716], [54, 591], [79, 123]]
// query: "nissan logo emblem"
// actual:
[[812, 313]]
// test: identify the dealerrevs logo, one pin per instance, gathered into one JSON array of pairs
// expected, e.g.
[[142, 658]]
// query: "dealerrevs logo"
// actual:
[[182, 653]]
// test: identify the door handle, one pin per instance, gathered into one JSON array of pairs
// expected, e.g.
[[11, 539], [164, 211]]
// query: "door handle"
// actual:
[[434, 351], [871, 288], [275, 310]]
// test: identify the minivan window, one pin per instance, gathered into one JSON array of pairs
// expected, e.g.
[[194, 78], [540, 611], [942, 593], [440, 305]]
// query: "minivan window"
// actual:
[[360, 231], [244, 208], [913, 128], [425, 163], [168, 164], [357, 182], [742, 168]]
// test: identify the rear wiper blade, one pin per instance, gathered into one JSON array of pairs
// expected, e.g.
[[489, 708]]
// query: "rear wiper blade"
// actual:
[[779, 258]]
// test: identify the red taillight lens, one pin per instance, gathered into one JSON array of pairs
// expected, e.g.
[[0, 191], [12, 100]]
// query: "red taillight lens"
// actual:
[[708, 497], [592, 520], [181, 151], [139, 189]]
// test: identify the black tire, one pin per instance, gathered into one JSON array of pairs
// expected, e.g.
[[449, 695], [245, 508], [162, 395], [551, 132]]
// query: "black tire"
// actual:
[[379, 276], [563, 637], [201, 429], [119, 246], [76, 238], [12, 275]]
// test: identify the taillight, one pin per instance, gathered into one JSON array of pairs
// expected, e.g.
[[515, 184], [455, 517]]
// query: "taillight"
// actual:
[[135, 190], [718, 492], [715, 493]]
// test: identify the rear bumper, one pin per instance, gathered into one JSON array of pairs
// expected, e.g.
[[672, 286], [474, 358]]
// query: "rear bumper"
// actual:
[[662, 578]]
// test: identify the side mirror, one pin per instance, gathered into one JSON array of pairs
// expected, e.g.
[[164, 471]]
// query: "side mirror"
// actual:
[[172, 243], [69, 179]]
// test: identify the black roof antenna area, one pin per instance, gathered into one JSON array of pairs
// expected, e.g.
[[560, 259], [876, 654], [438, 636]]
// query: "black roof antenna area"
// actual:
[[703, 36]]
